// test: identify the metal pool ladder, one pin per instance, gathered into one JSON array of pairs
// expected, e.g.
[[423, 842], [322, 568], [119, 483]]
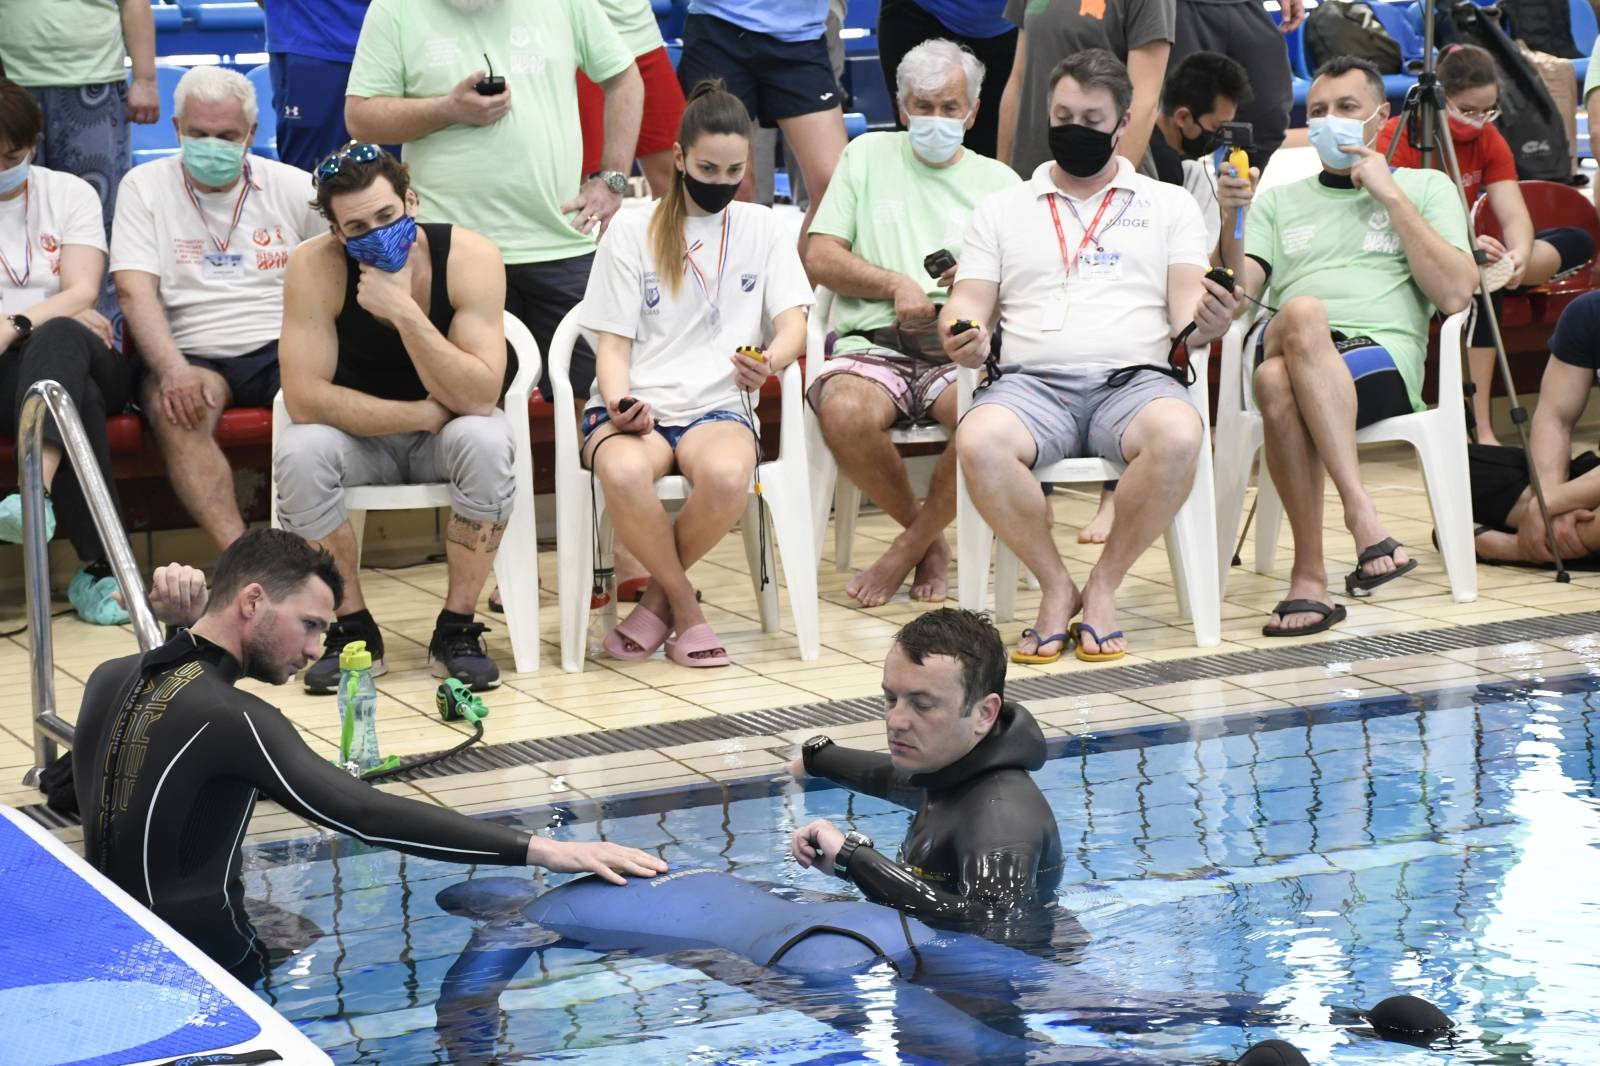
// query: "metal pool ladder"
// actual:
[[43, 397]]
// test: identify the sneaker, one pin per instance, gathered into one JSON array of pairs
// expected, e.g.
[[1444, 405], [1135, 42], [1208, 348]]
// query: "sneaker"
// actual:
[[93, 598], [457, 651], [11, 519], [322, 677]]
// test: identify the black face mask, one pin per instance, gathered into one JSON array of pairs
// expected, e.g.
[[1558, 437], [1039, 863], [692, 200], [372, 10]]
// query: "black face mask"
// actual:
[[1081, 151], [710, 197], [1203, 145]]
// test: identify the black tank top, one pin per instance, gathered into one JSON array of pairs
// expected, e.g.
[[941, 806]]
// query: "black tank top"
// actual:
[[372, 357]]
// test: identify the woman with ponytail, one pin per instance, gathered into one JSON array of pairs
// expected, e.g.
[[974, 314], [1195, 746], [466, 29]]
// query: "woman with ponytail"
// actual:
[[674, 292]]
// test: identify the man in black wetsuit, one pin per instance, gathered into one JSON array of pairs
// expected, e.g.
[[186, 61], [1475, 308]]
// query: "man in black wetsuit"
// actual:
[[983, 847], [170, 756]]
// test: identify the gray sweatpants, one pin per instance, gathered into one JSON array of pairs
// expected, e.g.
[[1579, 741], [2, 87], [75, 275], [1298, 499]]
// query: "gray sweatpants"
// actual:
[[315, 464]]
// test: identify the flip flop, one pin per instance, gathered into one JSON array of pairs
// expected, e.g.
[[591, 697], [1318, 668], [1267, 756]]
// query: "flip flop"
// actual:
[[1077, 630], [1359, 584], [1331, 616], [644, 629], [1033, 658], [697, 638]]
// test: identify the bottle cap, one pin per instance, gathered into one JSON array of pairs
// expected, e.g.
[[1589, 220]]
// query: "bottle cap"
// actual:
[[355, 656]]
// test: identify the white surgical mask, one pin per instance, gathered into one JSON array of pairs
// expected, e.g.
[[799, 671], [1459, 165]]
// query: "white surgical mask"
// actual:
[[936, 139], [1330, 131]]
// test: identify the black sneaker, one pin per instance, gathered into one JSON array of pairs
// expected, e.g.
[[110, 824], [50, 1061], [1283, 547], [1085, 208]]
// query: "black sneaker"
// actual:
[[457, 651], [322, 677]]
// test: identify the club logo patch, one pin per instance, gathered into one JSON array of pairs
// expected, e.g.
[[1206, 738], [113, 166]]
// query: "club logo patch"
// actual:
[[747, 282]]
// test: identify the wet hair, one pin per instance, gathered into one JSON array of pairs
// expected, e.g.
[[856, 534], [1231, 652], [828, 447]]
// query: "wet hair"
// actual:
[[710, 110], [1345, 64], [1196, 83], [21, 119], [354, 177], [1466, 66], [277, 560], [1096, 68], [964, 635]]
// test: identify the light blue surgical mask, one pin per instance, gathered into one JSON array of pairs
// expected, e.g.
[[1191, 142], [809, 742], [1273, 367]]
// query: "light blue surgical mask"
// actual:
[[11, 180], [1330, 131], [936, 139]]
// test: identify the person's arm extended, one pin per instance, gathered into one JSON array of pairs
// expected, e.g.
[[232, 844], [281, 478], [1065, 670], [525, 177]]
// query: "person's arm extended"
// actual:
[[308, 354], [1446, 275], [139, 38], [990, 883], [139, 294], [1010, 97], [1147, 66], [1516, 225], [869, 772]]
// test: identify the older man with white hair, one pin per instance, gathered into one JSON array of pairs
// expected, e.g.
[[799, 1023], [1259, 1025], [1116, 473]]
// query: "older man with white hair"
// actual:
[[896, 200], [199, 248]]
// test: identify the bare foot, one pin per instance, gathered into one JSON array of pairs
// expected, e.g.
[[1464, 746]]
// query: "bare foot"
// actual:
[[1368, 530], [931, 581], [1100, 614], [1304, 587], [1056, 609], [1100, 525], [878, 583]]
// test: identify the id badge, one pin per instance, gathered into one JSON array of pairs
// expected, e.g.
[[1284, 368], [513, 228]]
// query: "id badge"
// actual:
[[222, 266], [1100, 266], [1054, 316]]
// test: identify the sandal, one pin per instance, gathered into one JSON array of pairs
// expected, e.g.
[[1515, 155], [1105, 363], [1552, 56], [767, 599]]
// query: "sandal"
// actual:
[[1359, 584], [687, 649], [643, 629], [1077, 630], [1035, 657], [1332, 615]]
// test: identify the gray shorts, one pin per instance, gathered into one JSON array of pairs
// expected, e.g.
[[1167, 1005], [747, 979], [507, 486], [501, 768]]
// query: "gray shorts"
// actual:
[[1071, 413]]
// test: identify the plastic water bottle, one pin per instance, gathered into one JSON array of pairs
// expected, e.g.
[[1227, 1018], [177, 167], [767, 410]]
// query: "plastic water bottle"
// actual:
[[358, 709]]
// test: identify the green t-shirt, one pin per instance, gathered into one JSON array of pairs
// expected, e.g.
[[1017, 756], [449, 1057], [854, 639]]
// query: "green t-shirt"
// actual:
[[47, 43], [635, 22], [1591, 80], [1339, 246], [508, 179], [894, 209]]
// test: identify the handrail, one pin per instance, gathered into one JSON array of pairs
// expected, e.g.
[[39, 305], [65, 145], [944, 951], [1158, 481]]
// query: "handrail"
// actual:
[[43, 396]]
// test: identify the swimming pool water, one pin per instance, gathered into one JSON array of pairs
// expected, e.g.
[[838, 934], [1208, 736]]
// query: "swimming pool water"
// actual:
[[1447, 846]]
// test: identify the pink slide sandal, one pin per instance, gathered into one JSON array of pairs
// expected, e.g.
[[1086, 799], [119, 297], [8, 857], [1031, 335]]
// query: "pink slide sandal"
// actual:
[[643, 630], [697, 639]]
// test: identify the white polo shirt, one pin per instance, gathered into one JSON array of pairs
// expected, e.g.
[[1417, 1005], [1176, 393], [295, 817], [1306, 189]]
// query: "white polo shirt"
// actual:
[[1113, 309]]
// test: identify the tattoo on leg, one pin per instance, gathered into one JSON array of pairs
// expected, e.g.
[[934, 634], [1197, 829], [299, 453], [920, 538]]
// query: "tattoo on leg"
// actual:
[[491, 537], [474, 536]]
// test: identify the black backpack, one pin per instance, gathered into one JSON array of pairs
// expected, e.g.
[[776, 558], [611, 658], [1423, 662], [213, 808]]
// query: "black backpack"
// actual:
[[1345, 28], [1528, 116], [1544, 25]]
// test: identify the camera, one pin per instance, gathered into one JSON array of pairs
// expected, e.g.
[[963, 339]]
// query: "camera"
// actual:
[[1238, 135], [936, 263]]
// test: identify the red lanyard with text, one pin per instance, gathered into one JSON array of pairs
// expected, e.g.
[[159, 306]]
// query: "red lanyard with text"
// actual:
[[693, 269], [238, 208], [27, 245], [1089, 231]]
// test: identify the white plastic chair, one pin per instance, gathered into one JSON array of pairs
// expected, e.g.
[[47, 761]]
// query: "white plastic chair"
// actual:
[[516, 564], [784, 486], [826, 484], [1439, 436], [1189, 539]]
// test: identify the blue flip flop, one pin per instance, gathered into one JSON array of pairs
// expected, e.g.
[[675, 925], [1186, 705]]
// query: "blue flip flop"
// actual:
[[1033, 658], [1079, 628]]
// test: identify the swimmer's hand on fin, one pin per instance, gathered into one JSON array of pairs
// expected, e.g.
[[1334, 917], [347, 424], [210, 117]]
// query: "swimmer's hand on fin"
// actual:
[[610, 861]]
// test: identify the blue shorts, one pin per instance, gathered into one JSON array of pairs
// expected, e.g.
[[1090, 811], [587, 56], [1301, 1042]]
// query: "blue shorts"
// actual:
[[774, 79], [308, 101], [1380, 389], [595, 417]]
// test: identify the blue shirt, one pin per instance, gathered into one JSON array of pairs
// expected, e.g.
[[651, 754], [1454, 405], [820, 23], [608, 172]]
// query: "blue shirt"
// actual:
[[322, 29], [969, 18], [797, 20]]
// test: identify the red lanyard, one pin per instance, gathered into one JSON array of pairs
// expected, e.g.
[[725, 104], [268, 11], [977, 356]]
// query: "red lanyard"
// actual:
[[27, 244], [693, 269], [238, 208], [1088, 233]]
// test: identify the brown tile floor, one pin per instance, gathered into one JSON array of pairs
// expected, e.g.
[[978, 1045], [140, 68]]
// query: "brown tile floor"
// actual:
[[609, 695]]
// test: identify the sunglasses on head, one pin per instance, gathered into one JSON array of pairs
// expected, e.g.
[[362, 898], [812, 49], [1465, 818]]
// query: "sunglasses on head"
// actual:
[[355, 152]]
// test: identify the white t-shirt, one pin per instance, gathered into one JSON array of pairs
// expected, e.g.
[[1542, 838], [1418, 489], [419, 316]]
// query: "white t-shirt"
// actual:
[[1201, 182], [1115, 304], [680, 363], [219, 303], [61, 209]]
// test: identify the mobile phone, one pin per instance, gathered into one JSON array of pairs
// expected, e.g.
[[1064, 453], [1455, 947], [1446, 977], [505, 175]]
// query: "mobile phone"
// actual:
[[752, 351], [936, 263], [625, 405], [493, 84], [961, 325]]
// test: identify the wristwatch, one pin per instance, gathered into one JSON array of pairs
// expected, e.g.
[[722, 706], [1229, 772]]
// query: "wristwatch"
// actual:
[[22, 324], [615, 180], [809, 749], [852, 841]]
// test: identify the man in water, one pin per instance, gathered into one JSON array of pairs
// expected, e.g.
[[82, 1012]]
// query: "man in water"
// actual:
[[170, 756], [983, 845]]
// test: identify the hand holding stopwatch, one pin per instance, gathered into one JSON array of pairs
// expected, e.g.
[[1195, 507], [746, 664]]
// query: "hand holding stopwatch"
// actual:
[[750, 351], [493, 84]]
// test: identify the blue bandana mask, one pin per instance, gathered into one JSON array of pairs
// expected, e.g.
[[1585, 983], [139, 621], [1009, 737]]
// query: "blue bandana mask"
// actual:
[[385, 247]]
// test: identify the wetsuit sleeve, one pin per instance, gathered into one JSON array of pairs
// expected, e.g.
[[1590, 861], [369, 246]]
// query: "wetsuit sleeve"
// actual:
[[271, 755], [864, 771], [990, 884]]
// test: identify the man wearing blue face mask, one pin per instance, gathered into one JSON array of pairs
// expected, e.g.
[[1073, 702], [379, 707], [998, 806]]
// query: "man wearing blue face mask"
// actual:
[[895, 199], [198, 252], [1357, 258]]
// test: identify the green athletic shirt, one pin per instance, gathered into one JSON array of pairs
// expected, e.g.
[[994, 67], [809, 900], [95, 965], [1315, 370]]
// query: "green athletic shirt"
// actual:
[[508, 179], [46, 43], [1339, 246], [894, 209], [635, 22]]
